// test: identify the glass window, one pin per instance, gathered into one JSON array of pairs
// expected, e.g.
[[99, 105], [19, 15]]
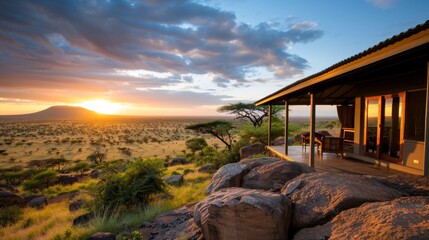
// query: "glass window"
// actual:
[[415, 115]]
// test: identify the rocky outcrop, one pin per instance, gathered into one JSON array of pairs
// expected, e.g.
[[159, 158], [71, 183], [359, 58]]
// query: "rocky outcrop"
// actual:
[[320, 196], [83, 219], [177, 224], [410, 184], [174, 179], [403, 218], [256, 162], [273, 176], [67, 180], [208, 168], [9, 199], [102, 236], [250, 150], [177, 161], [238, 213], [76, 205], [39, 202], [227, 176], [280, 141], [95, 173]]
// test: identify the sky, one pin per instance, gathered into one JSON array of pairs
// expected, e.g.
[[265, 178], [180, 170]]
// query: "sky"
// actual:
[[180, 57]]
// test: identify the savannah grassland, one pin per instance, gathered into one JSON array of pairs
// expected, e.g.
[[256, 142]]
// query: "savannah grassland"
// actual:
[[22, 142]]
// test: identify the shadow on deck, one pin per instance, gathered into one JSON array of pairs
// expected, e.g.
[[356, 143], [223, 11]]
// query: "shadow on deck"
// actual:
[[330, 162]]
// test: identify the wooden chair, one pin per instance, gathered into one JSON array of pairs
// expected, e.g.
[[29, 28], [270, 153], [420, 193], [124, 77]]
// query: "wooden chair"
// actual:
[[318, 139]]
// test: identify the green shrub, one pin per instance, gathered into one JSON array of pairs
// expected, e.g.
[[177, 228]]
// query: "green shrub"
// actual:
[[10, 215], [196, 144], [260, 134], [40, 181], [131, 187]]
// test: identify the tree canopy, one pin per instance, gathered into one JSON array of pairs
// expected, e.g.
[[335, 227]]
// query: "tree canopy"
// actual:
[[248, 111], [219, 129]]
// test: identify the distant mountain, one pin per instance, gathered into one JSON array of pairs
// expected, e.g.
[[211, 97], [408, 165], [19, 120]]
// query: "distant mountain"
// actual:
[[58, 113]]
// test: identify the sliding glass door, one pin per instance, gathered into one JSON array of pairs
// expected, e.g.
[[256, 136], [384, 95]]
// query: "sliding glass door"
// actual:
[[383, 135]]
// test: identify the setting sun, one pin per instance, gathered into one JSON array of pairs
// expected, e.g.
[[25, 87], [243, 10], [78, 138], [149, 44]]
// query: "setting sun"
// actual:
[[101, 106]]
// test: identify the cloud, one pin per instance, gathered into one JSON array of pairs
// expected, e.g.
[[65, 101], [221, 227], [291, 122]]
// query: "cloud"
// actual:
[[383, 4], [79, 44]]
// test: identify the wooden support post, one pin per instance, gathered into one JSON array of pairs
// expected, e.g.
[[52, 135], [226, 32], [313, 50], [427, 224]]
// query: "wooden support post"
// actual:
[[312, 129], [269, 125], [286, 134], [426, 148]]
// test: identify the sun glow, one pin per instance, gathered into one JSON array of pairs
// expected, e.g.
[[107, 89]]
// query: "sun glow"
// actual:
[[101, 106]]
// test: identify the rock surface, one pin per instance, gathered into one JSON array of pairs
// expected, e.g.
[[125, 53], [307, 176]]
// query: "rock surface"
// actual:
[[238, 213], [274, 175], [9, 199], [103, 236], [410, 184], [321, 196], [83, 219], [174, 179], [250, 150], [403, 218], [95, 173], [76, 205], [67, 180], [39, 202], [206, 168], [177, 161], [177, 224], [227, 176], [256, 162]]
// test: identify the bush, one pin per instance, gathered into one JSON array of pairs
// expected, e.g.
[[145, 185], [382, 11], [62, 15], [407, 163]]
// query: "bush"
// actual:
[[10, 215], [260, 134], [196, 144], [39, 181], [132, 187]]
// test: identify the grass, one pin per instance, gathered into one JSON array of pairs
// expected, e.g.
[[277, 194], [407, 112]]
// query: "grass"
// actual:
[[52, 221], [55, 221], [57, 190]]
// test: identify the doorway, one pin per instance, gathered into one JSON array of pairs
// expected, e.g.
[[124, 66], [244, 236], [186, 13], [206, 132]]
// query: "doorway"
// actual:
[[384, 127]]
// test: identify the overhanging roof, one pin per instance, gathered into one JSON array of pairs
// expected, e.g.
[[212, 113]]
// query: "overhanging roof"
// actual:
[[339, 92]]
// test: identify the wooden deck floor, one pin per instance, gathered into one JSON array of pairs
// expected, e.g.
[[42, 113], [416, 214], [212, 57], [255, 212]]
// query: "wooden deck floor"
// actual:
[[329, 162]]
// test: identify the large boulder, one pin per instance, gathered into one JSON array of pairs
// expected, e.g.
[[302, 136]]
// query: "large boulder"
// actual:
[[227, 176], [174, 179], [83, 219], [256, 162], [177, 161], [280, 141], [403, 218], [208, 168], [410, 184], [238, 213], [76, 205], [67, 180], [9, 199], [39, 202], [321, 196], [177, 224], [250, 150], [273, 176]]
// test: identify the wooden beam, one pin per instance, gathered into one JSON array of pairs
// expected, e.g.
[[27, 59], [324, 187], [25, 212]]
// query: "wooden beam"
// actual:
[[426, 148], [269, 125], [286, 134], [312, 129]]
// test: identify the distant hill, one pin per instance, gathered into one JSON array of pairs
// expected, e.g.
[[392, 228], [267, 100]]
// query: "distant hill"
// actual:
[[58, 113]]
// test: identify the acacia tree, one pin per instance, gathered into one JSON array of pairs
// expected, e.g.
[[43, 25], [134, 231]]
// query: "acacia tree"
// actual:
[[249, 111], [219, 129]]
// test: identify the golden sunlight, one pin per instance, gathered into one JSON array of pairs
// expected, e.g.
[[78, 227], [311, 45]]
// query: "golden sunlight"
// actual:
[[101, 106]]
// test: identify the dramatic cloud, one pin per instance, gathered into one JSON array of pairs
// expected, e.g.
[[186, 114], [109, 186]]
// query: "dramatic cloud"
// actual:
[[382, 3], [92, 44]]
